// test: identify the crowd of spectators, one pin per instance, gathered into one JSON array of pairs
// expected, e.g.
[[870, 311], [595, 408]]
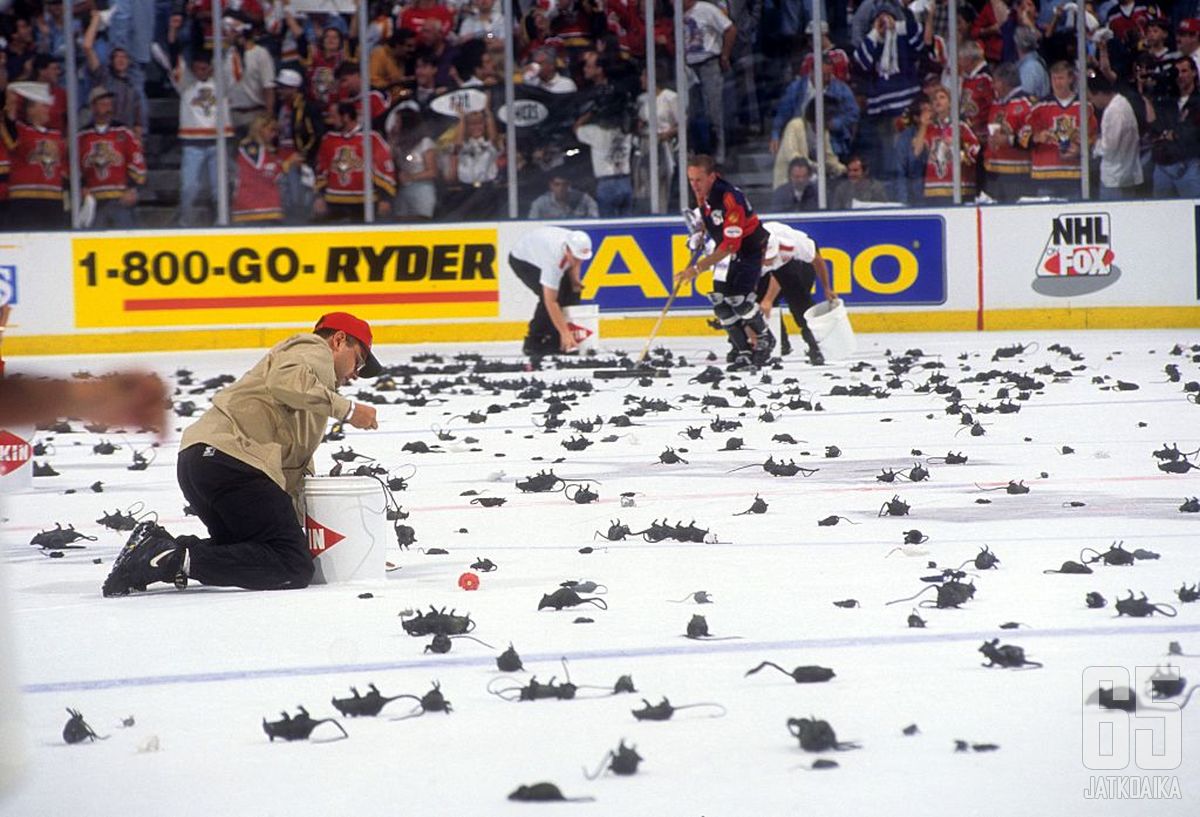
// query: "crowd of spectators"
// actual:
[[293, 95]]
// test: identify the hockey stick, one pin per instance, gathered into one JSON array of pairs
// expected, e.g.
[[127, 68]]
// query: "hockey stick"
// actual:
[[658, 323], [638, 369]]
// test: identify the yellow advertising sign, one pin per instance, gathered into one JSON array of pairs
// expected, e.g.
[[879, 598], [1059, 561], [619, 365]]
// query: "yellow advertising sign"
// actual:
[[259, 277]]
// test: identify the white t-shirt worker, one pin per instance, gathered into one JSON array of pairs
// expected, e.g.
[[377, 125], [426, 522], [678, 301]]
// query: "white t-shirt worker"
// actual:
[[542, 258]]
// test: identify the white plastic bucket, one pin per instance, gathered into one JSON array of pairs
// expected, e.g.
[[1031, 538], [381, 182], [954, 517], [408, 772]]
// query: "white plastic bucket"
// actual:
[[346, 524], [830, 325], [16, 460], [584, 322]]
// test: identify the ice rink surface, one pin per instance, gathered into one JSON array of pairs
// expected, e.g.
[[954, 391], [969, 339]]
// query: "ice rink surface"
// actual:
[[198, 670]]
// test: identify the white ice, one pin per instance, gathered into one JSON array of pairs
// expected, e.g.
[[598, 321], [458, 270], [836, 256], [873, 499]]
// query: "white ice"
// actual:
[[200, 669]]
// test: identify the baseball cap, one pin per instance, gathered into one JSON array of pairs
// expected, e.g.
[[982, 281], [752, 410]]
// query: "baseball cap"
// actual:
[[289, 77], [1190, 25], [99, 92], [358, 329], [580, 244]]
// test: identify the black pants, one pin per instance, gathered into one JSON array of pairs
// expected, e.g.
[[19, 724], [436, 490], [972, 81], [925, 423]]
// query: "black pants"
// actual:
[[36, 214], [257, 542], [796, 279], [542, 331]]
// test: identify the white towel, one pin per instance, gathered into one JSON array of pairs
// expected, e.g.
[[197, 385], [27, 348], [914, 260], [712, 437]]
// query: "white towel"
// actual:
[[889, 60]]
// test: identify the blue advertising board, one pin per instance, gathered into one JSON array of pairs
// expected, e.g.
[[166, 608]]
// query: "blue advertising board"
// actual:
[[874, 260]]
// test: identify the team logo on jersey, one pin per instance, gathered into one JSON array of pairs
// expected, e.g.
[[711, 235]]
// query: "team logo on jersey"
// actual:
[[717, 217], [939, 155], [206, 100], [100, 157], [1078, 256], [45, 153], [322, 81], [345, 163], [1065, 130]]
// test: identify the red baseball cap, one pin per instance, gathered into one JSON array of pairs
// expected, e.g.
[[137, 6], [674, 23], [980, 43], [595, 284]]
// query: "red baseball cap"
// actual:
[[358, 329], [1190, 25]]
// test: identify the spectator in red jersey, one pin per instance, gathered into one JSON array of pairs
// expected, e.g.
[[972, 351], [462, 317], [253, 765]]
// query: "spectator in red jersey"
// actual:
[[321, 61], [37, 159], [4, 163], [260, 167], [936, 139], [349, 89], [414, 16], [986, 28], [1007, 157], [111, 164], [1054, 126], [341, 170]]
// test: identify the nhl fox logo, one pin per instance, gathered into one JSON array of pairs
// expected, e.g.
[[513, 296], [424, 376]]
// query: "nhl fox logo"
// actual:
[[1078, 256]]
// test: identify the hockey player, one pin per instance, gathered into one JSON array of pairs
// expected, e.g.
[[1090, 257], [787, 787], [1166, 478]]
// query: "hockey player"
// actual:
[[792, 264], [727, 218]]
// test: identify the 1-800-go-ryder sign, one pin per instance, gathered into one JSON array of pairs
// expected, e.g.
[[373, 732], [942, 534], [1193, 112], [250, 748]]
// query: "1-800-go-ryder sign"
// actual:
[[279, 277]]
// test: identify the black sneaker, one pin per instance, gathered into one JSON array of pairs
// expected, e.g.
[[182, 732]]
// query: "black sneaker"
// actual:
[[742, 361], [545, 344], [815, 357], [150, 555], [763, 349]]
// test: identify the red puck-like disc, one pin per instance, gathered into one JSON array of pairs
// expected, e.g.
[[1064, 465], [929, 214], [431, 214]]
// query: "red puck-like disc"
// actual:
[[468, 581]]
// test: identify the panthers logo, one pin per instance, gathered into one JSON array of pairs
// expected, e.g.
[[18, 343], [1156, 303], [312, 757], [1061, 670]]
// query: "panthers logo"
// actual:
[[100, 157], [345, 163], [205, 100], [46, 154], [1064, 128], [322, 81]]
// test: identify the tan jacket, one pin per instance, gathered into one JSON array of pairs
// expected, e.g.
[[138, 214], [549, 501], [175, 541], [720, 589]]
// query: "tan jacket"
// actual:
[[274, 416]]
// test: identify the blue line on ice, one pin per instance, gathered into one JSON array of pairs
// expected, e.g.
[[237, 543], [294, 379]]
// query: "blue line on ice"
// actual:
[[591, 655]]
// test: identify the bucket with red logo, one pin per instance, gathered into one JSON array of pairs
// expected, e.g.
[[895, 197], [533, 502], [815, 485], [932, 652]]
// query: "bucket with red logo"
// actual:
[[346, 524], [16, 460], [584, 322]]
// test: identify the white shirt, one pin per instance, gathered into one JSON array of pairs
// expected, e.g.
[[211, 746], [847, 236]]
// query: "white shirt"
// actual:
[[476, 25], [477, 161], [545, 248], [258, 74], [667, 109], [1117, 146], [704, 29], [793, 244], [414, 160], [611, 149], [558, 84]]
